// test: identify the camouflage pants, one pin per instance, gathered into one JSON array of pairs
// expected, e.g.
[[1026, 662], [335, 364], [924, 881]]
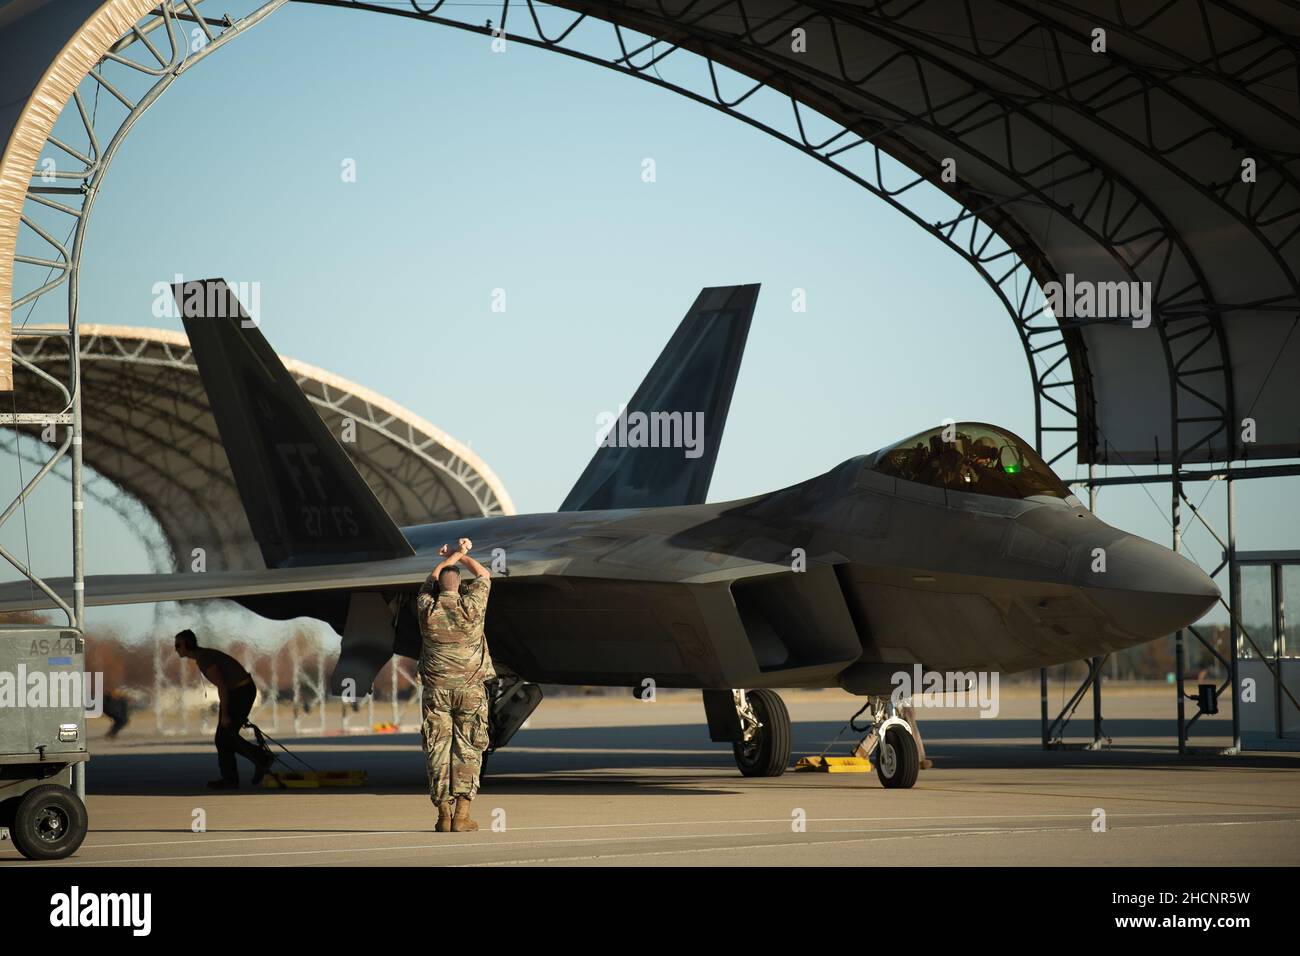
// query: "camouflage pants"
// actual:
[[455, 735]]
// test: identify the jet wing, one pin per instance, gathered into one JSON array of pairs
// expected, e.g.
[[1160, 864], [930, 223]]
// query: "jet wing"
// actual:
[[111, 589]]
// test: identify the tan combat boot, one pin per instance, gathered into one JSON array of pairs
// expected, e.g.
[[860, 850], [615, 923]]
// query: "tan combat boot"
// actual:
[[444, 817], [461, 823]]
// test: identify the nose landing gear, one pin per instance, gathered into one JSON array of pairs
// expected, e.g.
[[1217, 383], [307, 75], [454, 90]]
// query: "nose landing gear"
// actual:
[[889, 744], [897, 762]]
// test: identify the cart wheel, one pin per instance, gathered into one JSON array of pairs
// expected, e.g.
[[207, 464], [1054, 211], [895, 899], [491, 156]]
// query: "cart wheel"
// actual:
[[49, 824]]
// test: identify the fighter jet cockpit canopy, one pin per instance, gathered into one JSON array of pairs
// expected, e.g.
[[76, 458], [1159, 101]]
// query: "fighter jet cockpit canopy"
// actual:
[[974, 458]]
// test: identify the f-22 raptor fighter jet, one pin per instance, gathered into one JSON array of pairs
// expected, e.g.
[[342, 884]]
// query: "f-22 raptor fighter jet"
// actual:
[[957, 549]]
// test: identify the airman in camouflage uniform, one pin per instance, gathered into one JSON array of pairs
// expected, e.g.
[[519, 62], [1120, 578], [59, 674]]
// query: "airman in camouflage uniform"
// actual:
[[454, 663]]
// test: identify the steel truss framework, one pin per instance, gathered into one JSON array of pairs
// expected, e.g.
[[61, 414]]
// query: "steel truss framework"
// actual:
[[955, 108], [135, 72], [156, 442], [48, 202]]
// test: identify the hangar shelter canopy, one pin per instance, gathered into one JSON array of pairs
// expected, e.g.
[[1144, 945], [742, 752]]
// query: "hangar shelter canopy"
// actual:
[[1139, 161]]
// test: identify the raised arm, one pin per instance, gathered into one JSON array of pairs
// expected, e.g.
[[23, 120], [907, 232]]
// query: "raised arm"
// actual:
[[478, 569], [449, 559], [465, 545]]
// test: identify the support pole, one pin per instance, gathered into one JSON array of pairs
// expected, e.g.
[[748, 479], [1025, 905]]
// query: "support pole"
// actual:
[[1182, 700], [1042, 681], [1278, 688], [1234, 602], [78, 504], [1096, 661], [1176, 489]]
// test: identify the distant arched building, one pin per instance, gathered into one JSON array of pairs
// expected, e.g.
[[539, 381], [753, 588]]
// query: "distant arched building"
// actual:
[[149, 431]]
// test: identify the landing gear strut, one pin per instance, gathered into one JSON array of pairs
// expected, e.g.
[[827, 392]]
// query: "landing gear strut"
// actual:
[[764, 746]]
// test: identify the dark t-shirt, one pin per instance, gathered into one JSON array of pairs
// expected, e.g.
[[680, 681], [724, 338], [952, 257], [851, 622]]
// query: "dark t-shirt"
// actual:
[[232, 672]]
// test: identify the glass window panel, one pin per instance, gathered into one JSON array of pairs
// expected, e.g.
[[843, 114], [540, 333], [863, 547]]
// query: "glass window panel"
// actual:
[[1257, 609], [1290, 610]]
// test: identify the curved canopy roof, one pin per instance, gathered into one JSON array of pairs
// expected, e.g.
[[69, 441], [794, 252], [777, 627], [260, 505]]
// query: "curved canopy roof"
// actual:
[[1141, 153], [1117, 166], [150, 431]]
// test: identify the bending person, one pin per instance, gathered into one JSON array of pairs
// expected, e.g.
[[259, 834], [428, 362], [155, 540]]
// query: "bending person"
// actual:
[[237, 693]]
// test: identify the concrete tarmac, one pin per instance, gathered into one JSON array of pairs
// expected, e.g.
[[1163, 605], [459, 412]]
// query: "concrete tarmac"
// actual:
[[614, 781]]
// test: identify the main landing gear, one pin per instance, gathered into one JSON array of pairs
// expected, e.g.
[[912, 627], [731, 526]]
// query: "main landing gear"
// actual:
[[763, 749]]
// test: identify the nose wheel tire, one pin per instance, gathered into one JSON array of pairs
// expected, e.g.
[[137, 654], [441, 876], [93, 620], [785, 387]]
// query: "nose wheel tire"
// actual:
[[49, 823], [767, 753], [897, 762]]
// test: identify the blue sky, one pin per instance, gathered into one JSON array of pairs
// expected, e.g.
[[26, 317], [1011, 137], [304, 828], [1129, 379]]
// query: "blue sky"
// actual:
[[521, 171]]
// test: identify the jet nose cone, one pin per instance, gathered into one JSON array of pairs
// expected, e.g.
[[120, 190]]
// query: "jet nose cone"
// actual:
[[1150, 591]]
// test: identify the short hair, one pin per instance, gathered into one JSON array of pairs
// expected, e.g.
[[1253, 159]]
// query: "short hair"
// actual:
[[451, 567], [187, 638]]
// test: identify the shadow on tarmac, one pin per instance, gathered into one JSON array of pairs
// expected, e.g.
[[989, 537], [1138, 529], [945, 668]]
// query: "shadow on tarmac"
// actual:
[[561, 760]]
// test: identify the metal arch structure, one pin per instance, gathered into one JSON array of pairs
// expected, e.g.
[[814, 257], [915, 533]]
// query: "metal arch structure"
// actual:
[[980, 81], [150, 432], [56, 57], [104, 493], [1052, 158], [1068, 161]]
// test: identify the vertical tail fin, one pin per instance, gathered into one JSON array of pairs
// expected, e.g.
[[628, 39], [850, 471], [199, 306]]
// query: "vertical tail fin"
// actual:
[[306, 502], [663, 446]]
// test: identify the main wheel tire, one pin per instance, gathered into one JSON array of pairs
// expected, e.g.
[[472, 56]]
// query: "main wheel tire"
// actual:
[[49, 824], [897, 761], [768, 754]]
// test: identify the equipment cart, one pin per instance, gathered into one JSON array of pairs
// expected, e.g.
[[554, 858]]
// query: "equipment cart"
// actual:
[[43, 741]]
